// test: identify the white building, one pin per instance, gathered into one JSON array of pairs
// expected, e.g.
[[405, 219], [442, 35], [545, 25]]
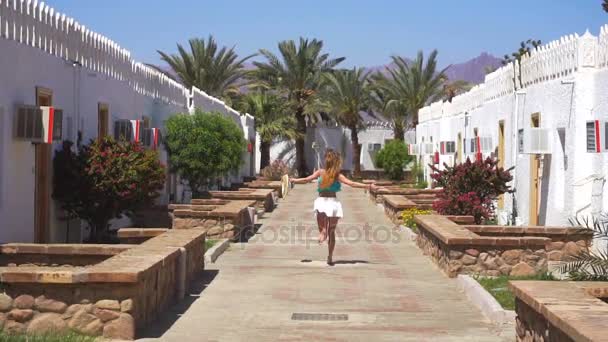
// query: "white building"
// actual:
[[552, 128], [327, 134], [48, 59]]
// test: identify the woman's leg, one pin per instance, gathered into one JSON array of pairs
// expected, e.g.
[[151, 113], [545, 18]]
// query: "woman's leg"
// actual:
[[322, 223], [332, 223]]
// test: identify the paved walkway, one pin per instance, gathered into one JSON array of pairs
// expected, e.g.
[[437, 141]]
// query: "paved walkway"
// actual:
[[388, 289]]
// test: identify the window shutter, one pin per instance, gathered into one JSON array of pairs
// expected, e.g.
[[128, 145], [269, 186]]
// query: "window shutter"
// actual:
[[590, 136]]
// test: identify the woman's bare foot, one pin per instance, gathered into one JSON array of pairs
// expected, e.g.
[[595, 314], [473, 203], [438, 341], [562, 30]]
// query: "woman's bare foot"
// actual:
[[330, 261]]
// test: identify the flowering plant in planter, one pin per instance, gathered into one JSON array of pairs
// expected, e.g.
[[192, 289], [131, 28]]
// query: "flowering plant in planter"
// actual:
[[276, 170], [470, 188], [105, 180]]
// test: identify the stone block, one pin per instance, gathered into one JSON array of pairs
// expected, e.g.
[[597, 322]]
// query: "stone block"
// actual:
[[24, 302], [21, 315], [47, 323], [472, 252], [469, 260], [44, 304], [512, 256], [522, 269], [14, 328], [105, 315], [86, 323], [122, 328], [555, 255], [126, 305], [571, 249], [6, 302]]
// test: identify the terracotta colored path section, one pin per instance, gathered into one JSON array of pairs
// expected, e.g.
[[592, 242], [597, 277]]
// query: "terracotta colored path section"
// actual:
[[388, 289]]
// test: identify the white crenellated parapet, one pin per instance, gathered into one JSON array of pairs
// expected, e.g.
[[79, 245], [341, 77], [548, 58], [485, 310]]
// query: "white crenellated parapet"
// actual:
[[555, 60], [500, 82], [208, 103], [34, 23]]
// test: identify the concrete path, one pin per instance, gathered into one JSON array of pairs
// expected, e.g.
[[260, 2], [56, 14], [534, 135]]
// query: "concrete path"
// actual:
[[388, 289]]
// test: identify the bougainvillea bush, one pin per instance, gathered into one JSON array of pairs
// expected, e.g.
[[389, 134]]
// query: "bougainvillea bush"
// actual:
[[105, 180], [276, 170], [470, 188]]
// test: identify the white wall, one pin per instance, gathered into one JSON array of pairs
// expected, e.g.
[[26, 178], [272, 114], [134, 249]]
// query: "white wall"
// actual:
[[565, 82], [41, 47], [338, 138]]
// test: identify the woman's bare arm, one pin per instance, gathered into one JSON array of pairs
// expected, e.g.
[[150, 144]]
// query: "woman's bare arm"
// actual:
[[307, 179], [349, 182]]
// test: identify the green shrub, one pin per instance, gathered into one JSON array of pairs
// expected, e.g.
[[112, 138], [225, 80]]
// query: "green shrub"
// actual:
[[203, 146], [105, 180], [393, 158], [498, 287], [590, 265]]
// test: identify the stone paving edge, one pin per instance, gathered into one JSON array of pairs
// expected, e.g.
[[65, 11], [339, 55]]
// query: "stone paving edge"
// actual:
[[484, 301], [214, 252]]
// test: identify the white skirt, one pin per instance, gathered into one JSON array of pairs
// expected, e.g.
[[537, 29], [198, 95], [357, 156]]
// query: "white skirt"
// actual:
[[329, 206]]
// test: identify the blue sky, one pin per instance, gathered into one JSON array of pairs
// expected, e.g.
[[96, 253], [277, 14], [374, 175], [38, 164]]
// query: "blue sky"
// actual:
[[366, 32]]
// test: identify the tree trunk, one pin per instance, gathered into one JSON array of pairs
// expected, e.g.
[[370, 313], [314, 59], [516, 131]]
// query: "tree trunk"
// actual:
[[398, 131], [264, 154], [354, 137], [301, 143]]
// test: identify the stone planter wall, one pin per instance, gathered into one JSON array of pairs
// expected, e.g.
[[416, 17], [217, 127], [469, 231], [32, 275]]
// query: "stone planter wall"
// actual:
[[532, 326], [560, 311], [264, 199], [220, 219], [377, 196], [394, 205], [275, 186], [111, 298], [458, 250], [137, 236]]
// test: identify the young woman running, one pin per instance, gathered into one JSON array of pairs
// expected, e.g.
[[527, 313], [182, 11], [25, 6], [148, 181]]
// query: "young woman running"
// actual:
[[327, 207]]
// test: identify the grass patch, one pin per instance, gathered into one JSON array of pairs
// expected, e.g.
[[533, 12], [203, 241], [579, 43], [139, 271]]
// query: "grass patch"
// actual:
[[499, 289], [69, 337], [210, 243]]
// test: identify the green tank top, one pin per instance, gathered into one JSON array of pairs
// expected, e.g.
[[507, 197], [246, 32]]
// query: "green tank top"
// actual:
[[335, 187]]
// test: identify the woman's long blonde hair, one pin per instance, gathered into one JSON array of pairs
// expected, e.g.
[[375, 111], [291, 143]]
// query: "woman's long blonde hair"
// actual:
[[333, 165]]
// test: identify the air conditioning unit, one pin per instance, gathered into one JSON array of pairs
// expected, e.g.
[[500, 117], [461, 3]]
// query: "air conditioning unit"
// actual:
[[38, 124], [151, 137], [427, 148], [485, 144], [128, 130], [596, 135], [537, 140], [413, 149]]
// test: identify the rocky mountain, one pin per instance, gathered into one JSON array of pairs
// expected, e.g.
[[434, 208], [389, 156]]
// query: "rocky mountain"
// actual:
[[472, 71]]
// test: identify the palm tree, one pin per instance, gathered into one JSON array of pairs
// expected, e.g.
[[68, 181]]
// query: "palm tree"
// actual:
[[207, 67], [410, 86], [381, 103], [454, 88], [345, 94], [270, 120], [297, 72]]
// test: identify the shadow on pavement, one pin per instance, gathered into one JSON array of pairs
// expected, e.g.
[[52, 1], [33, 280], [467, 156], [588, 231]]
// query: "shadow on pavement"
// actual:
[[350, 262], [157, 328]]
